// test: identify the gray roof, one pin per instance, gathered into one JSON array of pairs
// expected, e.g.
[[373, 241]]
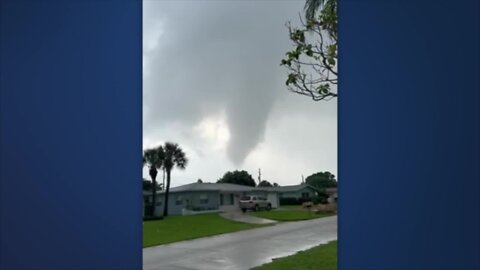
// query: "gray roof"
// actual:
[[211, 186], [231, 187], [207, 187], [288, 188], [331, 191]]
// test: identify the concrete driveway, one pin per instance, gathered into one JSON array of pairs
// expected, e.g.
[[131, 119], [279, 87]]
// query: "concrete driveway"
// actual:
[[246, 218], [241, 250]]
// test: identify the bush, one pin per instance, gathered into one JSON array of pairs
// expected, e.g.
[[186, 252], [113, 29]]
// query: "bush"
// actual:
[[148, 210], [320, 200], [300, 201], [289, 201], [147, 218]]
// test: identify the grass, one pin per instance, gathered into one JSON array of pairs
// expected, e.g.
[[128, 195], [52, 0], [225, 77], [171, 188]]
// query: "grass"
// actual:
[[323, 257], [292, 207], [289, 215], [178, 228]]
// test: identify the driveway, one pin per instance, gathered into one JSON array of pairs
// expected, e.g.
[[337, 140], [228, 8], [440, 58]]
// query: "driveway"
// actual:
[[246, 218], [241, 250]]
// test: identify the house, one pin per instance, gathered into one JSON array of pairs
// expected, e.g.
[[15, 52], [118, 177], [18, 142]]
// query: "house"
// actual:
[[332, 194], [302, 191], [206, 197]]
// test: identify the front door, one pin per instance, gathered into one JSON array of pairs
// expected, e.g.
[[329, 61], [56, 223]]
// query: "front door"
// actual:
[[227, 202]]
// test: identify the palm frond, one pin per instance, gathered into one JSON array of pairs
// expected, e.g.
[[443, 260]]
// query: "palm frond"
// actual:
[[174, 156], [311, 6]]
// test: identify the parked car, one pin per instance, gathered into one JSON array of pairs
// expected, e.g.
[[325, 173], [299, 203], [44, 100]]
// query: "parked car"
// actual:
[[253, 202]]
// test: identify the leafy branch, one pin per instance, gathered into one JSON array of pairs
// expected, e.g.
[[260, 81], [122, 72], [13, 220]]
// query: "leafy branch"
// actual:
[[312, 64]]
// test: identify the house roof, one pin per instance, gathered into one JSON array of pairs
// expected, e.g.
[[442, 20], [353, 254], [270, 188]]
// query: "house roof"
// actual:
[[211, 186], [288, 188], [232, 187], [207, 187], [331, 191]]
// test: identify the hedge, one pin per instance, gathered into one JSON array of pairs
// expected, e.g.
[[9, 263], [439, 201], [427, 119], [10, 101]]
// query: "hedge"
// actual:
[[299, 201]]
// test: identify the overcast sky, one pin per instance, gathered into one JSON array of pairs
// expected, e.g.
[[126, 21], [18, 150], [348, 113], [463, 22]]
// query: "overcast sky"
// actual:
[[213, 84]]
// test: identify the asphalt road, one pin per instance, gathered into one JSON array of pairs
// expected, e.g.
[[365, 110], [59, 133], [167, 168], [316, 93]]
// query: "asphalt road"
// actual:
[[241, 250]]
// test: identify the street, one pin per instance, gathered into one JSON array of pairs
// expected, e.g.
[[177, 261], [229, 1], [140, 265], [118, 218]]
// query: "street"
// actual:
[[241, 250]]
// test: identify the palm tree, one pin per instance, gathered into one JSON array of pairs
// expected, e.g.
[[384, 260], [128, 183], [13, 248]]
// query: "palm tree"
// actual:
[[153, 158], [311, 6], [174, 157]]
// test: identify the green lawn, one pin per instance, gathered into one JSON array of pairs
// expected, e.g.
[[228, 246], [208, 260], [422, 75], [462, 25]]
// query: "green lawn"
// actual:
[[323, 257], [178, 228], [292, 207], [288, 215]]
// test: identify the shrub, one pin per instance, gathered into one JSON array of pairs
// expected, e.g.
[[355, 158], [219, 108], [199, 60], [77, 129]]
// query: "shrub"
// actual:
[[147, 218], [300, 201], [289, 201]]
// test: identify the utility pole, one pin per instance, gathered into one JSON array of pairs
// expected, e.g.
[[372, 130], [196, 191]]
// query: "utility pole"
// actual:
[[259, 176], [303, 180]]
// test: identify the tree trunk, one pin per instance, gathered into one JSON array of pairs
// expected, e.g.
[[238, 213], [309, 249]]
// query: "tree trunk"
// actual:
[[153, 174], [167, 191], [154, 191], [163, 185]]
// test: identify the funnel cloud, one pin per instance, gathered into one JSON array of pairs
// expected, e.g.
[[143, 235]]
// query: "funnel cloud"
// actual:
[[212, 83]]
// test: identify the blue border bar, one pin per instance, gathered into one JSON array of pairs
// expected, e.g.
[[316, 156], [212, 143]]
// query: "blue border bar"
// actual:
[[409, 135], [71, 135]]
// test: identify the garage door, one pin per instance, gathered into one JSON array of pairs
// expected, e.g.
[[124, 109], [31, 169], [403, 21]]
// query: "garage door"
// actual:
[[273, 199]]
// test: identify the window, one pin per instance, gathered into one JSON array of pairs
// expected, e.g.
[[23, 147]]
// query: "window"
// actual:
[[305, 195], [232, 201], [221, 199], [179, 200], [159, 203], [203, 199]]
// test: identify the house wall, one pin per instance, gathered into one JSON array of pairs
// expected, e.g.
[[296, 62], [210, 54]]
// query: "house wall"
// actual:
[[160, 204], [195, 200], [192, 200], [228, 205], [298, 194], [332, 198], [274, 199]]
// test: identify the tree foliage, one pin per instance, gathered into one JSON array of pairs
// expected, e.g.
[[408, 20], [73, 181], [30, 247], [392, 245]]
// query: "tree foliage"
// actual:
[[322, 180], [164, 157], [265, 183], [312, 64], [238, 177]]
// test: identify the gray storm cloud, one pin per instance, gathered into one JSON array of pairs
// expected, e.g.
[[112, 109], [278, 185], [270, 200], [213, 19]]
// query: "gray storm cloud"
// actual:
[[218, 58]]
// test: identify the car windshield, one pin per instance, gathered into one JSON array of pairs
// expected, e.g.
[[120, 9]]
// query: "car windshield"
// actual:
[[245, 198]]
